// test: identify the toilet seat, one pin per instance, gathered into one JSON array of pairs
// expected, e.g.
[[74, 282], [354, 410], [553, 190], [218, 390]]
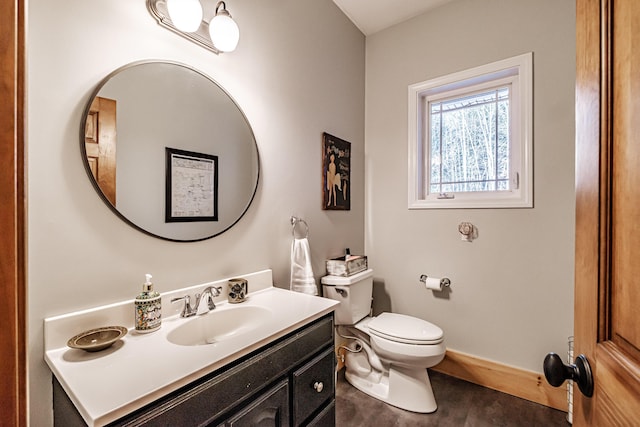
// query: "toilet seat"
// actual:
[[405, 329]]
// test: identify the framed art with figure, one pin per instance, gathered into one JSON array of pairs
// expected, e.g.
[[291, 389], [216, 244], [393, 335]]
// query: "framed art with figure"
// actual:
[[336, 173]]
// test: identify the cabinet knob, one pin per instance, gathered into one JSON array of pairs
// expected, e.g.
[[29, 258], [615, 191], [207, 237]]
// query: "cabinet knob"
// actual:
[[318, 386]]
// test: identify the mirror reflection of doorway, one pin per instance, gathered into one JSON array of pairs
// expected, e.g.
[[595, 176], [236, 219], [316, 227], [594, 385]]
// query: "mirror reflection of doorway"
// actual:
[[100, 145]]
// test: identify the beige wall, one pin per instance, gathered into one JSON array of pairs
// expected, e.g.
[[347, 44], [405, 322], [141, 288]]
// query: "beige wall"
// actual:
[[511, 296], [298, 72]]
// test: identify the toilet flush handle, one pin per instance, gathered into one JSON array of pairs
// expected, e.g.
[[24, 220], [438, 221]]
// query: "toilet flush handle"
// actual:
[[343, 292]]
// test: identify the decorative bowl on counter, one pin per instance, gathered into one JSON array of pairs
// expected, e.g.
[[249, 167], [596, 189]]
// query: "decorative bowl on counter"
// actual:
[[97, 339]]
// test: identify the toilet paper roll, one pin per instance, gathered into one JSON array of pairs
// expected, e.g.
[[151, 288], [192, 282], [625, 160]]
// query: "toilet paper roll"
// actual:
[[433, 283]]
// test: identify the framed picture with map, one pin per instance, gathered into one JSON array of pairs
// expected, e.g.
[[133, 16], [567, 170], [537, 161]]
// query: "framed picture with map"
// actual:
[[191, 186]]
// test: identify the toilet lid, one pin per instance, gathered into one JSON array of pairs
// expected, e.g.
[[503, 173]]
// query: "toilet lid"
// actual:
[[405, 329]]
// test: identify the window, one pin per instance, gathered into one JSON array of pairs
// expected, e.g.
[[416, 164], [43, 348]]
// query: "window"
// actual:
[[470, 138]]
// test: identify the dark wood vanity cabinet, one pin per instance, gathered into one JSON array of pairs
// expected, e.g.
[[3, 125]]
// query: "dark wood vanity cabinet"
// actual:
[[290, 382]]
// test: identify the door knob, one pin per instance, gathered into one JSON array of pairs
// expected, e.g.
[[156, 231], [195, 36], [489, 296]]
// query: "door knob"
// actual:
[[556, 372]]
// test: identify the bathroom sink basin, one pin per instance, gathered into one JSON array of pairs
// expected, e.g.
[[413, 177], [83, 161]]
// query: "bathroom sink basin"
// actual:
[[219, 325]]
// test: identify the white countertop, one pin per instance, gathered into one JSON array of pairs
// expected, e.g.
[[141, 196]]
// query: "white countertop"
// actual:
[[140, 368]]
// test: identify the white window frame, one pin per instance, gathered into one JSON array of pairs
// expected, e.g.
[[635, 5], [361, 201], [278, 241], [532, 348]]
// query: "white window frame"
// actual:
[[516, 72]]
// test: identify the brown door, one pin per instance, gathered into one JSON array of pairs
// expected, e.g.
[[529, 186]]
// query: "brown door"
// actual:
[[607, 289], [100, 145]]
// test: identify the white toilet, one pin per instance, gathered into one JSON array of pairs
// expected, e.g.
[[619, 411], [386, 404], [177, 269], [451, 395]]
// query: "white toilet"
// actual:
[[388, 355]]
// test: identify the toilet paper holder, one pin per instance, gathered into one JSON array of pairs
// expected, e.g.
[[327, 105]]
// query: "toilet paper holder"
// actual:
[[444, 282]]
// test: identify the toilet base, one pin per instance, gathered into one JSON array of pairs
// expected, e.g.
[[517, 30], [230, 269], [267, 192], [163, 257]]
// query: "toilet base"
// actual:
[[408, 389]]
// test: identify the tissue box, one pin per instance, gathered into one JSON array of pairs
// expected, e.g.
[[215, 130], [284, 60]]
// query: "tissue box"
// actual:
[[346, 266]]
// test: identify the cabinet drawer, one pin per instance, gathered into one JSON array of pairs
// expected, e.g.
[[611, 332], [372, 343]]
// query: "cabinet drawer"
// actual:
[[313, 385], [268, 410]]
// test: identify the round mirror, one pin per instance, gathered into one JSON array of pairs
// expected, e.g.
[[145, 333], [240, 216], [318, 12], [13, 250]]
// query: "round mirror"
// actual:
[[169, 151]]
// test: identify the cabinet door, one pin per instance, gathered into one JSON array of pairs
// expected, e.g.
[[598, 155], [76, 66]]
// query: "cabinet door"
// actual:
[[313, 386], [270, 409], [326, 418]]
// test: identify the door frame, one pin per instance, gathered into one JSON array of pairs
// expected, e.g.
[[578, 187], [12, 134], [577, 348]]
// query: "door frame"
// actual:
[[13, 389], [591, 193]]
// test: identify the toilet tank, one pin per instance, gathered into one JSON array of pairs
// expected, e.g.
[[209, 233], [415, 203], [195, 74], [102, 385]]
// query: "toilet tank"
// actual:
[[353, 292]]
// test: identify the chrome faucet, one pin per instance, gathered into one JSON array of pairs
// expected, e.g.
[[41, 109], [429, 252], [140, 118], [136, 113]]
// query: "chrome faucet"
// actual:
[[210, 292]]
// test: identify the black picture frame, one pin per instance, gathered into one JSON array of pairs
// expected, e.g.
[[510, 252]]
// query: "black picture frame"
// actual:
[[191, 186], [336, 173]]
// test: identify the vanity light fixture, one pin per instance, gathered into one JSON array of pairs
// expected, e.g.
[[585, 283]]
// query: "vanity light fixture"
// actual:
[[198, 21], [223, 30], [186, 15]]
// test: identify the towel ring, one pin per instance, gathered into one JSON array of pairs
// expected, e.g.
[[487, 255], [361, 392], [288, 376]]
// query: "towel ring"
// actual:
[[295, 221]]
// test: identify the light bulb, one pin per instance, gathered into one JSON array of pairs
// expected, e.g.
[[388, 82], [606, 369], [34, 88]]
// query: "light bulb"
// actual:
[[186, 15], [224, 32]]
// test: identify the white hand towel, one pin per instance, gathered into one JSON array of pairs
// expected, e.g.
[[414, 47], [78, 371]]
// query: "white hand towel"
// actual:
[[302, 279]]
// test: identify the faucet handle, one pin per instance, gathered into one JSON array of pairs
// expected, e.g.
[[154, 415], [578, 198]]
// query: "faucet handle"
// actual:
[[187, 311], [214, 292]]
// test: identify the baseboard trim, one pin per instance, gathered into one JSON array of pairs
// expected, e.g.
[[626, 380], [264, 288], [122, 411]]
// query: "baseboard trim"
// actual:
[[339, 358], [517, 382]]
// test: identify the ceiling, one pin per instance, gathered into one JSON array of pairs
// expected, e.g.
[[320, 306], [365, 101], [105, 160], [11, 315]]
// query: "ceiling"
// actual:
[[371, 16]]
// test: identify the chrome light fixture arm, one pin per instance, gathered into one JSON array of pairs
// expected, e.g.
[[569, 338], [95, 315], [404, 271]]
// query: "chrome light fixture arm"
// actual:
[[201, 37]]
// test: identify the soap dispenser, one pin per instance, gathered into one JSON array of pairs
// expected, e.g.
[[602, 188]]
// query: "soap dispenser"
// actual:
[[148, 308]]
